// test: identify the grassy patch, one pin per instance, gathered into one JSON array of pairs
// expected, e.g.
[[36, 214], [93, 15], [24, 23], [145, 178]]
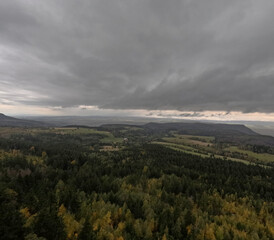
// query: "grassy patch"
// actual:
[[203, 146], [203, 141], [263, 157], [182, 148], [193, 151]]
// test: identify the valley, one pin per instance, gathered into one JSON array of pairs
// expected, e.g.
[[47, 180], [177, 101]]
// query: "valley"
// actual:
[[152, 181]]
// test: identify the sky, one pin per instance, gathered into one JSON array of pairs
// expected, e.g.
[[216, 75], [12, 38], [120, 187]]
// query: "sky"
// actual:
[[178, 58]]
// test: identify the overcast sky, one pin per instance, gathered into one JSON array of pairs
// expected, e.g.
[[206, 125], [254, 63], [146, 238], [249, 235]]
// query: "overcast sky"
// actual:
[[61, 56]]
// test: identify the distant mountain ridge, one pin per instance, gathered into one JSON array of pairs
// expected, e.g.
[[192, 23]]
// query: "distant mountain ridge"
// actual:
[[198, 128], [226, 133], [6, 121]]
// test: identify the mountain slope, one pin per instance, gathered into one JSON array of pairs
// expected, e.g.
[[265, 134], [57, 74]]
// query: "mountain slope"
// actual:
[[6, 121]]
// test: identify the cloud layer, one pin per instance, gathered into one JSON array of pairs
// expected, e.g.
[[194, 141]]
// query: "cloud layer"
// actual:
[[142, 54]]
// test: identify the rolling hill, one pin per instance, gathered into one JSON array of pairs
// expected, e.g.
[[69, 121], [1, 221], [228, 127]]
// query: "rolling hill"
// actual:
[[6, 121], [206, 129], [224, 133]]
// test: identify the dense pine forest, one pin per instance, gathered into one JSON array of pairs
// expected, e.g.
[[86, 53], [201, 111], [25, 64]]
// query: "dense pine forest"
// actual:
[[125, 183]]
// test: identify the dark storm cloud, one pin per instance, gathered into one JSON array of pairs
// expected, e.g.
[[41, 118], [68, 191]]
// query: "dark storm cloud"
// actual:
[[145, 54]]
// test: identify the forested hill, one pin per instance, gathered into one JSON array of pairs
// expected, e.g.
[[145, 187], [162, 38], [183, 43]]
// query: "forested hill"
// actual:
[[85, 184], [201, 128], [6, 121], [223, 133]]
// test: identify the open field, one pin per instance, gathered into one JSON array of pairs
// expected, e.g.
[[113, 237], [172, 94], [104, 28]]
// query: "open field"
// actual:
[[190, 140], [190, 150], [204, 146], [182, 148], [265, 157]]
